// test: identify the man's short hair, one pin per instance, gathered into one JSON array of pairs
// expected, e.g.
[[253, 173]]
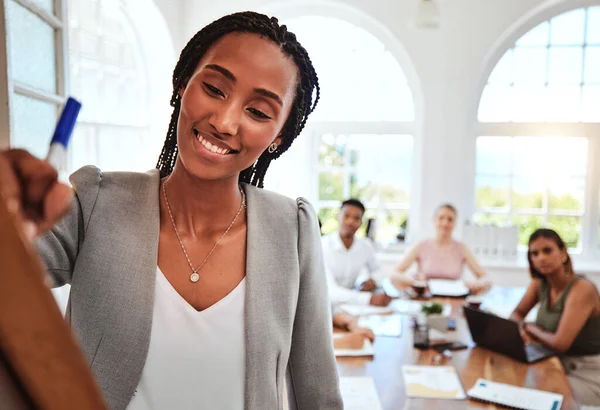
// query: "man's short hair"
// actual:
[[354, 202]]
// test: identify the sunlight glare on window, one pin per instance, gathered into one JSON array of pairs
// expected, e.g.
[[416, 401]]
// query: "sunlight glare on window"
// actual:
[[360, 79], [549, 75]]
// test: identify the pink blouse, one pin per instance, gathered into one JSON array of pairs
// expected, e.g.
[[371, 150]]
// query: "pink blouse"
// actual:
[[445, 262]]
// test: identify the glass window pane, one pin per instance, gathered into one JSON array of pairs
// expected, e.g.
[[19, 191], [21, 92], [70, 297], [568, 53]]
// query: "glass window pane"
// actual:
[[593, 26], [590, 103], [530, 65], [528, 192], [538, 36], [32, 49], [342, 53], [524, 163], [331, 186], [529, 104], [592, 65], [503, 72], [331, 150], [382, 175], [492, 192], [565, 65], [566, 194], [128, 140], [568, 28], [33, 124], [569, 152], [568, 227], [484, 219], [84, 146], [496, 104], [391, 224], [494, 155], [527, 225], [563, 103], [328, 219]]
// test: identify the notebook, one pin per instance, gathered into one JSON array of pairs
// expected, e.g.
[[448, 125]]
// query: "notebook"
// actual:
[[514, 397], [366, 350], [448, 288], [432, 382]]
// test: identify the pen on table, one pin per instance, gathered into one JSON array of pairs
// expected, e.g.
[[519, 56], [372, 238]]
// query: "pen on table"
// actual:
[[62, 132]]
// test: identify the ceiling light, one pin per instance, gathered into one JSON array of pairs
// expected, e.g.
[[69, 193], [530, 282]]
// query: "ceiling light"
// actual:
[[427, 15]]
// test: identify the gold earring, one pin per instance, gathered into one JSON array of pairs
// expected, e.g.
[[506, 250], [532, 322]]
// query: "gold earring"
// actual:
[[272, 148]]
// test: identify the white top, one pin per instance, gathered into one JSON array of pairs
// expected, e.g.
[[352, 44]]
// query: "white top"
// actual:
[[196, 360], [343, 267]]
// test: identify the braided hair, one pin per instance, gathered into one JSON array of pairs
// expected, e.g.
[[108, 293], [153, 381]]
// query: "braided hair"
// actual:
[[303, 105]]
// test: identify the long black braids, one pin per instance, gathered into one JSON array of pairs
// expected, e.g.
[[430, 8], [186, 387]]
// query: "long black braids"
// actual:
[[308, 83]]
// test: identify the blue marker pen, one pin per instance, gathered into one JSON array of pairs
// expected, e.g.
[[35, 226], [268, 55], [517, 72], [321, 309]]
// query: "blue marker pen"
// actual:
[[62, 133]]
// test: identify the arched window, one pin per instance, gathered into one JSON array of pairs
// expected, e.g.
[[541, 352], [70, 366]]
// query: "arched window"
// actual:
[[363, 125], [108, 74], [538, 132]]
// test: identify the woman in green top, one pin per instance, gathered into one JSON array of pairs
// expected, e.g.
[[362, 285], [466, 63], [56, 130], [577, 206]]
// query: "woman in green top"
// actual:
[[568, 319]]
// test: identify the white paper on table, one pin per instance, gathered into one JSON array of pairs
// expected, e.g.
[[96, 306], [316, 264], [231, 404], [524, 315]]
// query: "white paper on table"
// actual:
[[450, 288], [432, 382], [366, 350], [407, 307], [360, 310], [359, 393], [435, 334], [382, 325]]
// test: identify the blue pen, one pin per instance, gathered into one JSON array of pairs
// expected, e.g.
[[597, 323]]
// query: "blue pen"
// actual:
[[62, 133]]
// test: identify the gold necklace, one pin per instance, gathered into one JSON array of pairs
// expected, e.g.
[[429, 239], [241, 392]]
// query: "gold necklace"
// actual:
[[194, 276]]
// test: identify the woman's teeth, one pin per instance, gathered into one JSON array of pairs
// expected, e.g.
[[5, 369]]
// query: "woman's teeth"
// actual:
[[211, 147]]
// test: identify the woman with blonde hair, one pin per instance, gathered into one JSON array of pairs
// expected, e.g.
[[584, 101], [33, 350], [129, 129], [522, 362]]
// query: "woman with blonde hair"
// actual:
[[442, 257]]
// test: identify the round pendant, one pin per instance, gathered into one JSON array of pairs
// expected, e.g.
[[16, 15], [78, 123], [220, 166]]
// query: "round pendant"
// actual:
[[194, 277]]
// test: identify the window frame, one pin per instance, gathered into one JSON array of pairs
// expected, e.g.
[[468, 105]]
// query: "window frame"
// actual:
[[590, 220], [57, 21], [318, 129], [545, 212]]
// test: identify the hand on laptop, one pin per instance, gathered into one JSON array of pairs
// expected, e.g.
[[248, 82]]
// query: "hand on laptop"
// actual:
[[525, 335]]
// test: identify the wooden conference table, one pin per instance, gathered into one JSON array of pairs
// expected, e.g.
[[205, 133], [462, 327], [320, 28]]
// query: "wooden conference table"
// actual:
[[392, 352]]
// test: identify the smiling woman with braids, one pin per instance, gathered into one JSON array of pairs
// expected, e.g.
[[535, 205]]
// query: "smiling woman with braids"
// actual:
[[190, 286]]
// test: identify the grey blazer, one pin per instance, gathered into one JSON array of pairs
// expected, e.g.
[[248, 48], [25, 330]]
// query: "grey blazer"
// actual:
[[106, 248]]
